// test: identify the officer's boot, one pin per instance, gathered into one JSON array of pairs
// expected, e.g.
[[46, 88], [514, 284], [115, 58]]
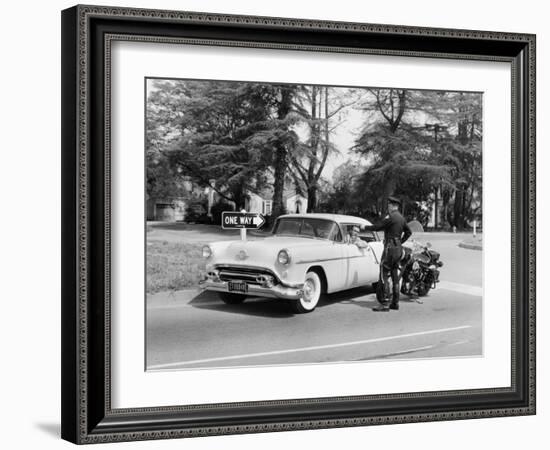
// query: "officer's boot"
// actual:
[[383, 307], [395, 296], [384, 301]]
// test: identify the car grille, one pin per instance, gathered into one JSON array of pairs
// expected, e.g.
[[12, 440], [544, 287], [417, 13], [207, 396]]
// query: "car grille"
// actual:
[[250, 275]]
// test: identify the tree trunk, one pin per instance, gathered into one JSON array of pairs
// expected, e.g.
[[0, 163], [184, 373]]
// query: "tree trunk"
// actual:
[[389, 188], [458, 208], [314, 143], [239, 196], [311, 198], [281, 151], [279, 182]]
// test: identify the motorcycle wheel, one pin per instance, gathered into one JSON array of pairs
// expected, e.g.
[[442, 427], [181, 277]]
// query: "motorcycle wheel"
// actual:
[[379, 289], [423, 289]]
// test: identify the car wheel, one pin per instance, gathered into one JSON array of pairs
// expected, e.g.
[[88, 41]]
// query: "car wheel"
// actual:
[[232, 299], [311, 294]]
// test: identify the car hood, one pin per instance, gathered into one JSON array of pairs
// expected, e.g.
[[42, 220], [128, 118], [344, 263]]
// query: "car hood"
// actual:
[[263, 252]]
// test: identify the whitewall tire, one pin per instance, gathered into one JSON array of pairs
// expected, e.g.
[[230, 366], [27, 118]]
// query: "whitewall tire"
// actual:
[[311, 294]]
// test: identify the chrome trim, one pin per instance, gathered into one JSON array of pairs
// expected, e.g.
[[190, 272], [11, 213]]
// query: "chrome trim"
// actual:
[[287, 254], [277, 291], [227, 273], [252, 276], [329, 259], [242, 266]]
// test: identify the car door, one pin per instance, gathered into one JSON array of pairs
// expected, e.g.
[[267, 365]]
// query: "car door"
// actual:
[[362, 264], [335, 261], [376, 248]]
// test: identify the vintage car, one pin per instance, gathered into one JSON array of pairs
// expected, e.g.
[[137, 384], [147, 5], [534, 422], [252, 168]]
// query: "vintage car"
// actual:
[[307, 255]]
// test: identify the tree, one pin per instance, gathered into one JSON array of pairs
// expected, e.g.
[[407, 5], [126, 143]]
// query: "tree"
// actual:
[[164, 118], [217, 146], [320, 106], [459, 148], [397, 149], [345, 197], [466, 149], [284, 143]]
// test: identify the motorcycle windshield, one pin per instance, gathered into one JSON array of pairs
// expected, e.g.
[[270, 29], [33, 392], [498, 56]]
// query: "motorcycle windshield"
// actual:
[[421, 257]]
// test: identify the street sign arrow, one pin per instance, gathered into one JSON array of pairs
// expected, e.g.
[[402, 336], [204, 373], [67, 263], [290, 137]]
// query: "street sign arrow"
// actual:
[[258, 220], [242, 220]]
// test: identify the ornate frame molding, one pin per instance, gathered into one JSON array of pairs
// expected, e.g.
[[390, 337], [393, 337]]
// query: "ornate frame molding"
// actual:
[[80, 418]]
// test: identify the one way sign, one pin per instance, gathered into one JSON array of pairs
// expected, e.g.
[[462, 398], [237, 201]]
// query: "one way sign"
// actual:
[[242, 220]]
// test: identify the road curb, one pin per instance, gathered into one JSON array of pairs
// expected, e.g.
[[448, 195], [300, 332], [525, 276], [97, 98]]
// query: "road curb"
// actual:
[[470, 246]]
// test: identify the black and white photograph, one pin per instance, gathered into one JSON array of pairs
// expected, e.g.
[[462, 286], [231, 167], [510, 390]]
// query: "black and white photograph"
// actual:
[[275, 225], [311, 224]]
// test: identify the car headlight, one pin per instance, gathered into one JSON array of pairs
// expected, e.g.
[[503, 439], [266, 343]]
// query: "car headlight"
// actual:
[[206, 251], [283, 257]]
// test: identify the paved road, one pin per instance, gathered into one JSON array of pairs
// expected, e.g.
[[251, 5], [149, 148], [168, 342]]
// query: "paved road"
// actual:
[[188, 329]]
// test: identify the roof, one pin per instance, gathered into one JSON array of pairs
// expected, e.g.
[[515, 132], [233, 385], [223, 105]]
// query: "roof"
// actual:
[[340, 218], [267, 194]]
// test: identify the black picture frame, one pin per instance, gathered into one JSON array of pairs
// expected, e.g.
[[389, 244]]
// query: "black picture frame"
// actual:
[[87, 32]]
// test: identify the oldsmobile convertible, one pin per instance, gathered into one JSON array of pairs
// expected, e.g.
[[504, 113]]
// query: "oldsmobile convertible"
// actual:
[[306, 256]]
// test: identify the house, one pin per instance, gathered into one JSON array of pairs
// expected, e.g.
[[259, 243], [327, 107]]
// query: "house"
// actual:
[[170, 209], [174, 209], [262, 202], [164, 207]]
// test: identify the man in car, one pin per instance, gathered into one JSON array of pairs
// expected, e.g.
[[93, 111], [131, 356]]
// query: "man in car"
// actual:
[[396, 232], [353, 238]]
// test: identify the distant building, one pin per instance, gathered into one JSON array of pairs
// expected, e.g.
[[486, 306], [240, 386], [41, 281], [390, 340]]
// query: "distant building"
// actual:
[[262, 202], [175, 209], [170, 209]]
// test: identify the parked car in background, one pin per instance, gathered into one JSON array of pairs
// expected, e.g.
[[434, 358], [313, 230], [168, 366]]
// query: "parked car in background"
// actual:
[[306, 256]]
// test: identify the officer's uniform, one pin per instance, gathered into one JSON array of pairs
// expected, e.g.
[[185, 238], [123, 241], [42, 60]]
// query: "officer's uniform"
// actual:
[[396, 232]]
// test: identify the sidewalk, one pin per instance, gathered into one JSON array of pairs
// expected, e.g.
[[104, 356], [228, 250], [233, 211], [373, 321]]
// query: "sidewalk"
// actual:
[[472, 243]]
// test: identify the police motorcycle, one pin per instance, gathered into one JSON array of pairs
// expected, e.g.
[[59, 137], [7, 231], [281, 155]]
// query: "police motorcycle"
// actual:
[[419, 269]]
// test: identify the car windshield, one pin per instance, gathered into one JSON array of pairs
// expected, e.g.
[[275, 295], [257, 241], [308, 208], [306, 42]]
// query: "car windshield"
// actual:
[[306, 227]]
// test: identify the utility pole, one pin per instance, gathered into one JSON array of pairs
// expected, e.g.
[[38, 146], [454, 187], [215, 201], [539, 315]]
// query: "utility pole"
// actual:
[[438, 205]]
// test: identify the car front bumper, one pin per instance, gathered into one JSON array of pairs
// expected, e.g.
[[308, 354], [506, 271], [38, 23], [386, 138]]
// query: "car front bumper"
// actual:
[[276, 291]]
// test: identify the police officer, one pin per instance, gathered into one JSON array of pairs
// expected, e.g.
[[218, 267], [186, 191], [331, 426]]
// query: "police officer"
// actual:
[[396, 232]]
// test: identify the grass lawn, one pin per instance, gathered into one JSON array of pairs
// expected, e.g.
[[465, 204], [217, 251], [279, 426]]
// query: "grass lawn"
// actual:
[[174, 253], [173, 265]]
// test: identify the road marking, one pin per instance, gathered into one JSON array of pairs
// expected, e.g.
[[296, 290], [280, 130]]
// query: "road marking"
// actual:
[[305, 349], [465, 341], [398, 353], [462, 288]]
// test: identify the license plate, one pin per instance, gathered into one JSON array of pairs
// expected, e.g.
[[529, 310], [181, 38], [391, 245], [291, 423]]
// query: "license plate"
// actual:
[[238, 286]]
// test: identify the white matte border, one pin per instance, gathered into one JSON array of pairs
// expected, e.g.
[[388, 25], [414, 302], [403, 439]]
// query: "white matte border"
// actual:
[[133, 387]]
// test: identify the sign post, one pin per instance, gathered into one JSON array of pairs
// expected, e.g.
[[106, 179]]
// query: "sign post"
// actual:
[[242, 220], [243, 230]]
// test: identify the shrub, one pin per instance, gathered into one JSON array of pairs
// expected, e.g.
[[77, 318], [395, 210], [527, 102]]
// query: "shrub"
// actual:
[[195, 210], [217, 209]]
